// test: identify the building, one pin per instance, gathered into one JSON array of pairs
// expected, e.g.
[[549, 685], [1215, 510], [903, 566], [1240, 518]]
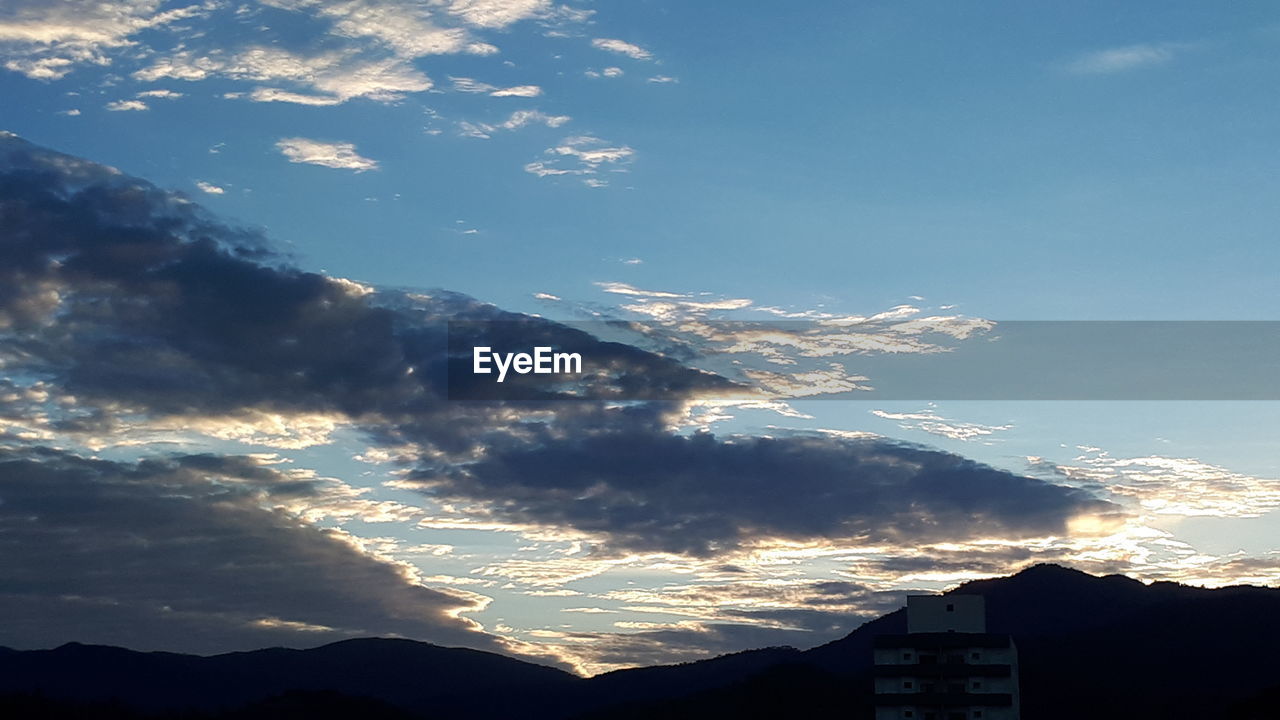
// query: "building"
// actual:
[[947, 666]]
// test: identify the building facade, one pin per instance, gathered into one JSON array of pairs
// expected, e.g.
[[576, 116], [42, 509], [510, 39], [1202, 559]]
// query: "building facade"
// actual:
[[947, 666]]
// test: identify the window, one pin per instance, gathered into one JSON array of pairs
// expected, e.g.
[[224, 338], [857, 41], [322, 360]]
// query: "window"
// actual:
[[906, 656], [977, 684], [977, 713], [908, 713], [951, 607], [976, 656], [906, 684]]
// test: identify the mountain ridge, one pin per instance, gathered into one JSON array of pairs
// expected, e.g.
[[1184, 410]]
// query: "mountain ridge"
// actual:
[[1107, 646]]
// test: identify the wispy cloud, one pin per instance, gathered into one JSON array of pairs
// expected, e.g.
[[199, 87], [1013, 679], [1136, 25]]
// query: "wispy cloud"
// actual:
[[582, 155], [209, 188], [316, 79], [341, 155], [622, 47], [1175, 486], [470, 85], [518, 119], [126, 105], [163, 94], [1121, 59], [928, 420], [48, 40]]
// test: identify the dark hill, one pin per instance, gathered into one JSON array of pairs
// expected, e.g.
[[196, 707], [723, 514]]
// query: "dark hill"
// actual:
[[404, 673], [1090, 647]]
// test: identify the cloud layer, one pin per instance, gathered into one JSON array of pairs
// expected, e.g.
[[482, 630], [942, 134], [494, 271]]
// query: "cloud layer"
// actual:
[[127, 312]]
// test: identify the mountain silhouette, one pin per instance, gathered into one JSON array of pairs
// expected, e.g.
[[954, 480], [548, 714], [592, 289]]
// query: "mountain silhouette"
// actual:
[[1089, 647]]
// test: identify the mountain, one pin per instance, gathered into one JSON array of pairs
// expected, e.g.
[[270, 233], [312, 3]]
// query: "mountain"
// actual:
[[405, 674], [1089, 647]]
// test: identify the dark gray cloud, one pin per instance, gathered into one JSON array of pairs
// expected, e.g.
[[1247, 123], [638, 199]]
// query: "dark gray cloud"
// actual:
[[132, 298], [649, 490], [182, 552]]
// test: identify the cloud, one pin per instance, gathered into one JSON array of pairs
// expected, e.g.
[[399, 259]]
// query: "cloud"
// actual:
[[1121, 59], [469, 85], [662, 79], [599, 652], [341, 155], [517, 120], [694, 621], [329, 78], [582, 155], [930, 421], [201, 323], [635, 52], [209, 188], [410, 30], [1184, 487], [525, 91], [187, 553], [641, 489], [126, 105], [128, 313], [609, 72], [161, 93], [498, 13], [48, 40]]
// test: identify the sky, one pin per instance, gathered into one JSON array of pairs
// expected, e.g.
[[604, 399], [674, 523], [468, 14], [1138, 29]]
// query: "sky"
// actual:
[[234, 234]]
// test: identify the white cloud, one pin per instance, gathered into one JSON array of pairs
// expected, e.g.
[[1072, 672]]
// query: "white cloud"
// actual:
[[661, 79], [609, 72], [341, 155], [622, 47], [1120, 59], [470, 85], [47, 40], [498, 13], [1177, 486], [164, 94], [126, 105], [408, 29], [582, 155], [518, 119], [268, 94], [526, 91], [930, 421], [71, 113], [329, 78], [209, 188]]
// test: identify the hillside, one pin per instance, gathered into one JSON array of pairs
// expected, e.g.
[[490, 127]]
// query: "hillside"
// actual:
[[1089, 646]]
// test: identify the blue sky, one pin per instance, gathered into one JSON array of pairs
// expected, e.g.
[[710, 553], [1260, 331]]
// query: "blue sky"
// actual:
[[1029, 161]]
